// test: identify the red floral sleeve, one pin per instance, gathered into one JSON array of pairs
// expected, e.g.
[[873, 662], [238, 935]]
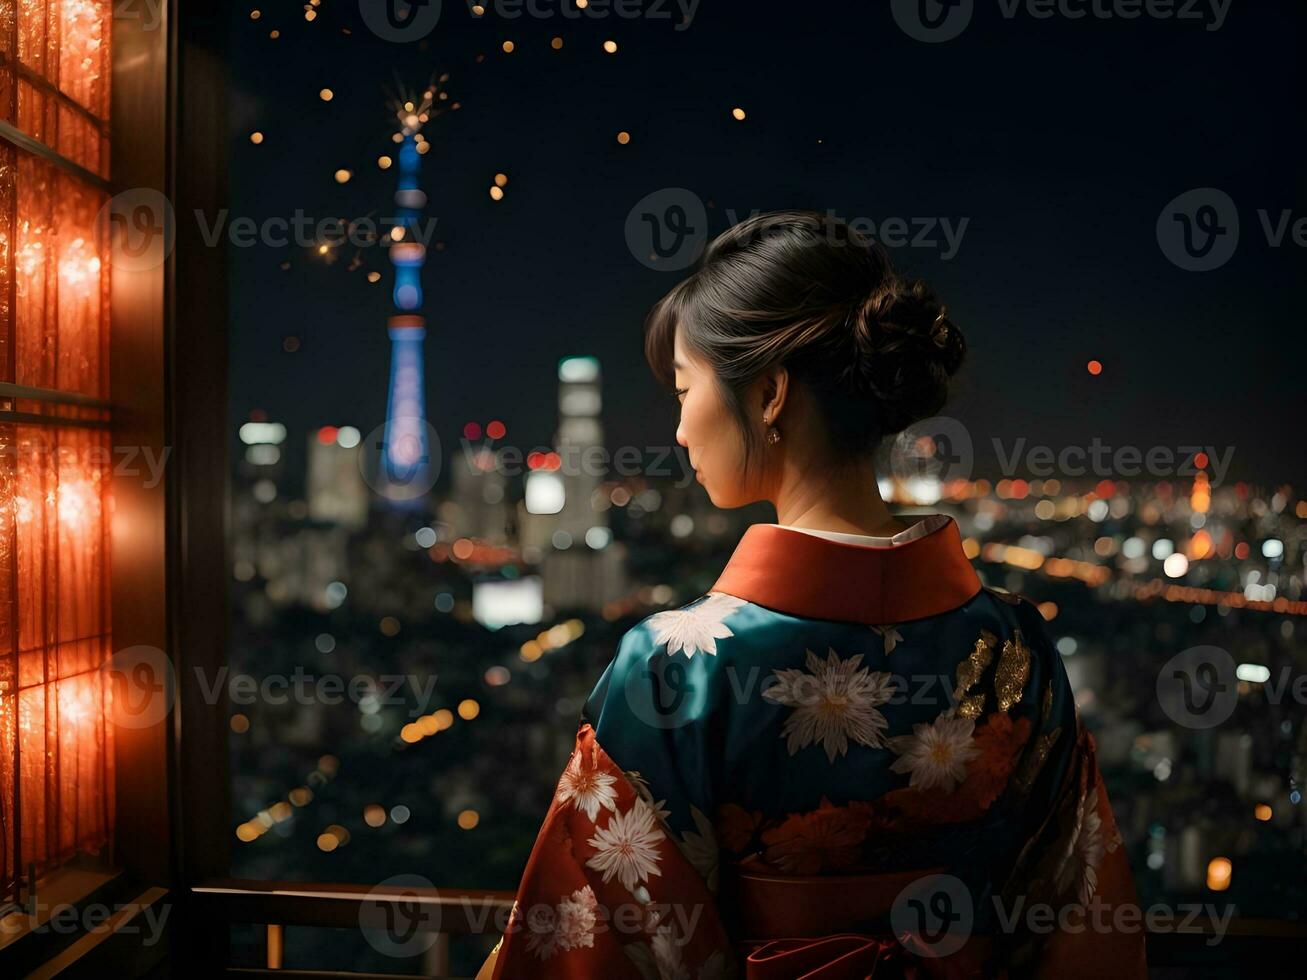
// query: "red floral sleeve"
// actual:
[[608, 891], [1087, 874]]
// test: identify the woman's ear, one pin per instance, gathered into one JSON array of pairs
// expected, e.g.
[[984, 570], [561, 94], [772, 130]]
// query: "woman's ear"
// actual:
[[775, 390]]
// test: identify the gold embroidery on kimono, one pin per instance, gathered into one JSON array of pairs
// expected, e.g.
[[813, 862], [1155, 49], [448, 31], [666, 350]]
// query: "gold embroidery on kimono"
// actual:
[[1034, 762], [969, 672], [1012, 673]]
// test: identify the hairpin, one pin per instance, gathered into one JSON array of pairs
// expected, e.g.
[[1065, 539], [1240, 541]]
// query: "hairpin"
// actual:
[[939, 332]]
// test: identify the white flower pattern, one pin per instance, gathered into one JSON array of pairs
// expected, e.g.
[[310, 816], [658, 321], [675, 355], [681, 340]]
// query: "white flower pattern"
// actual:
[[936, 753], [696, 628], [667, 955], [1078, 871], [576, 919], [659, 961], [700, 848], [891, 636], [834, 701], [569, 925], [587, 787], [627, 846], [542, 931], [659, 807]]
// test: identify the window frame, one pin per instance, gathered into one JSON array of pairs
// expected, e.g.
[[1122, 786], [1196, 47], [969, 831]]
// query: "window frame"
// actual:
[[168, 580]]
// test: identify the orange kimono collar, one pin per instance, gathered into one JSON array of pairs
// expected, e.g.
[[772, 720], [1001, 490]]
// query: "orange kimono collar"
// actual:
[[820, 578]]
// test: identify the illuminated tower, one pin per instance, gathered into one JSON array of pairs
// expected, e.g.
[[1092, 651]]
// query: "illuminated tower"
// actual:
[[406, 455]]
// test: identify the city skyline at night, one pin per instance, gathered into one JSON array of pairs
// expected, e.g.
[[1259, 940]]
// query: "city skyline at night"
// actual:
[[1030, 199]]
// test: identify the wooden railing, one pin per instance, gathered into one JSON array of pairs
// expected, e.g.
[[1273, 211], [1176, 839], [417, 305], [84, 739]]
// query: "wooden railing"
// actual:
[[275, 905], [1270, 943]]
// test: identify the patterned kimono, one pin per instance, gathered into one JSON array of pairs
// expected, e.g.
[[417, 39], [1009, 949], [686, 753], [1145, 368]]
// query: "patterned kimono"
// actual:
[[841, 759]]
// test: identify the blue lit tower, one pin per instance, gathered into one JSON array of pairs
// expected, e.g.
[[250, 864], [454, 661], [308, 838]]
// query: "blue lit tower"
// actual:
[[406, 457]]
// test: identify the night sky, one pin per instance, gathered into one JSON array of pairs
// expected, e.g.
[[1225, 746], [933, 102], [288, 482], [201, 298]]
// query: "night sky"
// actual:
[[1059, 140]]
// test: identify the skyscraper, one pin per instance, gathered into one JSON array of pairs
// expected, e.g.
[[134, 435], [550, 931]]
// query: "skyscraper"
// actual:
[[582, 567], [334, 484], [580, 445], [478, 491]]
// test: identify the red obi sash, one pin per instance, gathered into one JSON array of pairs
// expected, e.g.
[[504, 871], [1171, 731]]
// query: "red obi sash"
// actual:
[[813, 928], [843, 957]]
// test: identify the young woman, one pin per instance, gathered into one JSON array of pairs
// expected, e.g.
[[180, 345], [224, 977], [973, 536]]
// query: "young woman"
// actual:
[[848, 755]]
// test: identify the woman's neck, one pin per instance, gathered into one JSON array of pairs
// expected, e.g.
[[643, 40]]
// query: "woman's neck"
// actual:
[[846, 501]]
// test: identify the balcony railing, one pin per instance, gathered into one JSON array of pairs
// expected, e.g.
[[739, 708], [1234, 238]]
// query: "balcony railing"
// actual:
[[1272, 944], [273, 905]]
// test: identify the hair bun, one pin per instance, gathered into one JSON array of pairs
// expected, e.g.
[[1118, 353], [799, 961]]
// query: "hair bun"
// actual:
[[810, 292], [906, 350]]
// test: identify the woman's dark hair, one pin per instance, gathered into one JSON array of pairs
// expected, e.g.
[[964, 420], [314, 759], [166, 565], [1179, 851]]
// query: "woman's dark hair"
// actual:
[[805, 290]]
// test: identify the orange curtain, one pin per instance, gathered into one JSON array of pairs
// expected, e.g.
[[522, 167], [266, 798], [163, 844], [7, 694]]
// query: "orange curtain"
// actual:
[[56, 744]]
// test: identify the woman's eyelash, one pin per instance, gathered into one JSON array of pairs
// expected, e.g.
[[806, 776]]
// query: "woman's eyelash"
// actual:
[[678, 392]]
